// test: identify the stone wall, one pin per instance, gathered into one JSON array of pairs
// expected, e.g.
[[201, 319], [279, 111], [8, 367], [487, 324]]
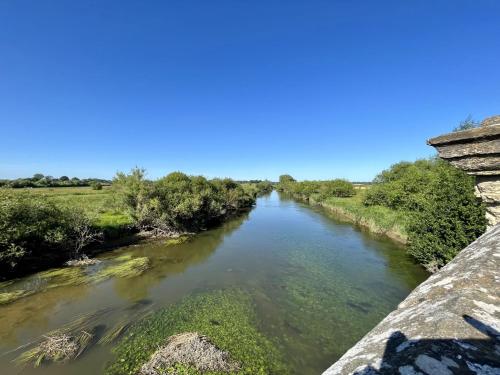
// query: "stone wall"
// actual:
[[477, 152], [450, 324]]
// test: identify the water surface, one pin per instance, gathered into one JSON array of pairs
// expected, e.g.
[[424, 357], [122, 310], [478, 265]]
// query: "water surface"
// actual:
[[317, 284]]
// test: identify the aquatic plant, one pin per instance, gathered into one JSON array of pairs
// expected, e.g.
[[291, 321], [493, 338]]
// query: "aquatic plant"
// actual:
[[176, 241], [226, 316], [63, 276], [8, 297], [126, 266], [59, 347], [115, 332]]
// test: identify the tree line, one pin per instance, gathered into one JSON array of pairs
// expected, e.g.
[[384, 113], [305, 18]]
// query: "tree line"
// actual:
[[39, 180]]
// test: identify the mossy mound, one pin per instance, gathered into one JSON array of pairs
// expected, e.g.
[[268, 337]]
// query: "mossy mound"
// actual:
[[226, 316]]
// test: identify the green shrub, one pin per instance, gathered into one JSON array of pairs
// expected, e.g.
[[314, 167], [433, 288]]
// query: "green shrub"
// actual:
[[265, 187], [33, 228], [96, 185], [404, 186], [449, 220], [336, 188], [445, 216], [324, 189], [468, 123], [177, 202]]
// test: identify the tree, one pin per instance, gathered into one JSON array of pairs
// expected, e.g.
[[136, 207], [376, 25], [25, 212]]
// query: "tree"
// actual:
[[38, 176], [64, 178], [81, 231], [286, 178], [468, 123]]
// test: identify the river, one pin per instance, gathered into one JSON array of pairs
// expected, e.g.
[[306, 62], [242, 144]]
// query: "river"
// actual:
[[317, 285]]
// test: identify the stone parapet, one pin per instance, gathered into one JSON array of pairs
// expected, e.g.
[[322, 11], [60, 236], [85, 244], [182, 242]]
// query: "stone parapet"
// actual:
[[477, 152], [450, 324]]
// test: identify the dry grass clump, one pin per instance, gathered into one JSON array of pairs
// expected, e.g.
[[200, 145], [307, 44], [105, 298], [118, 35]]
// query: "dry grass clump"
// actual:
[[57, 348], [189, 349], [83, 261]]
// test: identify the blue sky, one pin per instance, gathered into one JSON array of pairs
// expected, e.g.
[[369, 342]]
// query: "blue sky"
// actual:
[[246, 89]]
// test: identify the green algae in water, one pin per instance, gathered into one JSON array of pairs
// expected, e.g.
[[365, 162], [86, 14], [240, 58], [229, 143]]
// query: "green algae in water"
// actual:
[[176, 241], [64, 276], [124, 266], [227, 317], [8, 297]]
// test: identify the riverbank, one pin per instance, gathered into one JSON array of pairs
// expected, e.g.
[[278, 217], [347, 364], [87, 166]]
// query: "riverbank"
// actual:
[[376, 219], [43, 228]]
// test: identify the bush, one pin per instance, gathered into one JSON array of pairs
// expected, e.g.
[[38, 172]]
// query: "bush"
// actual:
[[336, 188], [177, 202], [445, 215], [265, 187], [404, 186], [449, 220], [323, 189], [34, 229], [96, 186], [468, 123]]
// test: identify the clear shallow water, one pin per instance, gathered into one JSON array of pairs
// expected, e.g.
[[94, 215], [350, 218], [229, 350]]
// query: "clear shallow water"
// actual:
[[317, 285]]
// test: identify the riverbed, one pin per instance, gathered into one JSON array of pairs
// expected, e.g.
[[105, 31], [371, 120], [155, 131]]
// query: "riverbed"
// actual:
[[316, 286]]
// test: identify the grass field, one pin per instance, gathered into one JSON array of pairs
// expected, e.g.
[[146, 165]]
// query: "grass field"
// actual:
[[377, 219], [100, 205]]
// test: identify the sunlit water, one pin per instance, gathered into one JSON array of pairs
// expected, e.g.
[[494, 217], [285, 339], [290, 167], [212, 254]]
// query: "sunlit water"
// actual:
[[318, 286]]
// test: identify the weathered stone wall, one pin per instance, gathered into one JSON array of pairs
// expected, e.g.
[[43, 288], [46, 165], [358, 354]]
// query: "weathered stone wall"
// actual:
[[450, 324], [477, 152]]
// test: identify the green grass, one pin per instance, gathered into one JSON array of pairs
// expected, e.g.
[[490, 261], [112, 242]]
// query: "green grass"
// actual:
[[378, 219], [100, 205]]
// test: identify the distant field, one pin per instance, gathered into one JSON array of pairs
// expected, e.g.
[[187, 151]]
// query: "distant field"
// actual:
[[101, 205]]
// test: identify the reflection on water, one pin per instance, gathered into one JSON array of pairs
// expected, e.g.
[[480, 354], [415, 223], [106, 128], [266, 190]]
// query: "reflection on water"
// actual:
[[317, 284]]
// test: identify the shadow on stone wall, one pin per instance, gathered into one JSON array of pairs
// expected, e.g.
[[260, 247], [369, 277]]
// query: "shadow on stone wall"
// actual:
[[441, 356]]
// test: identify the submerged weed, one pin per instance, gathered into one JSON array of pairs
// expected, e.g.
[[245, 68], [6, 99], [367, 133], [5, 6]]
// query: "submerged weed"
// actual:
[[176, 241], [235, 334], [124, 266], [8, 297]]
